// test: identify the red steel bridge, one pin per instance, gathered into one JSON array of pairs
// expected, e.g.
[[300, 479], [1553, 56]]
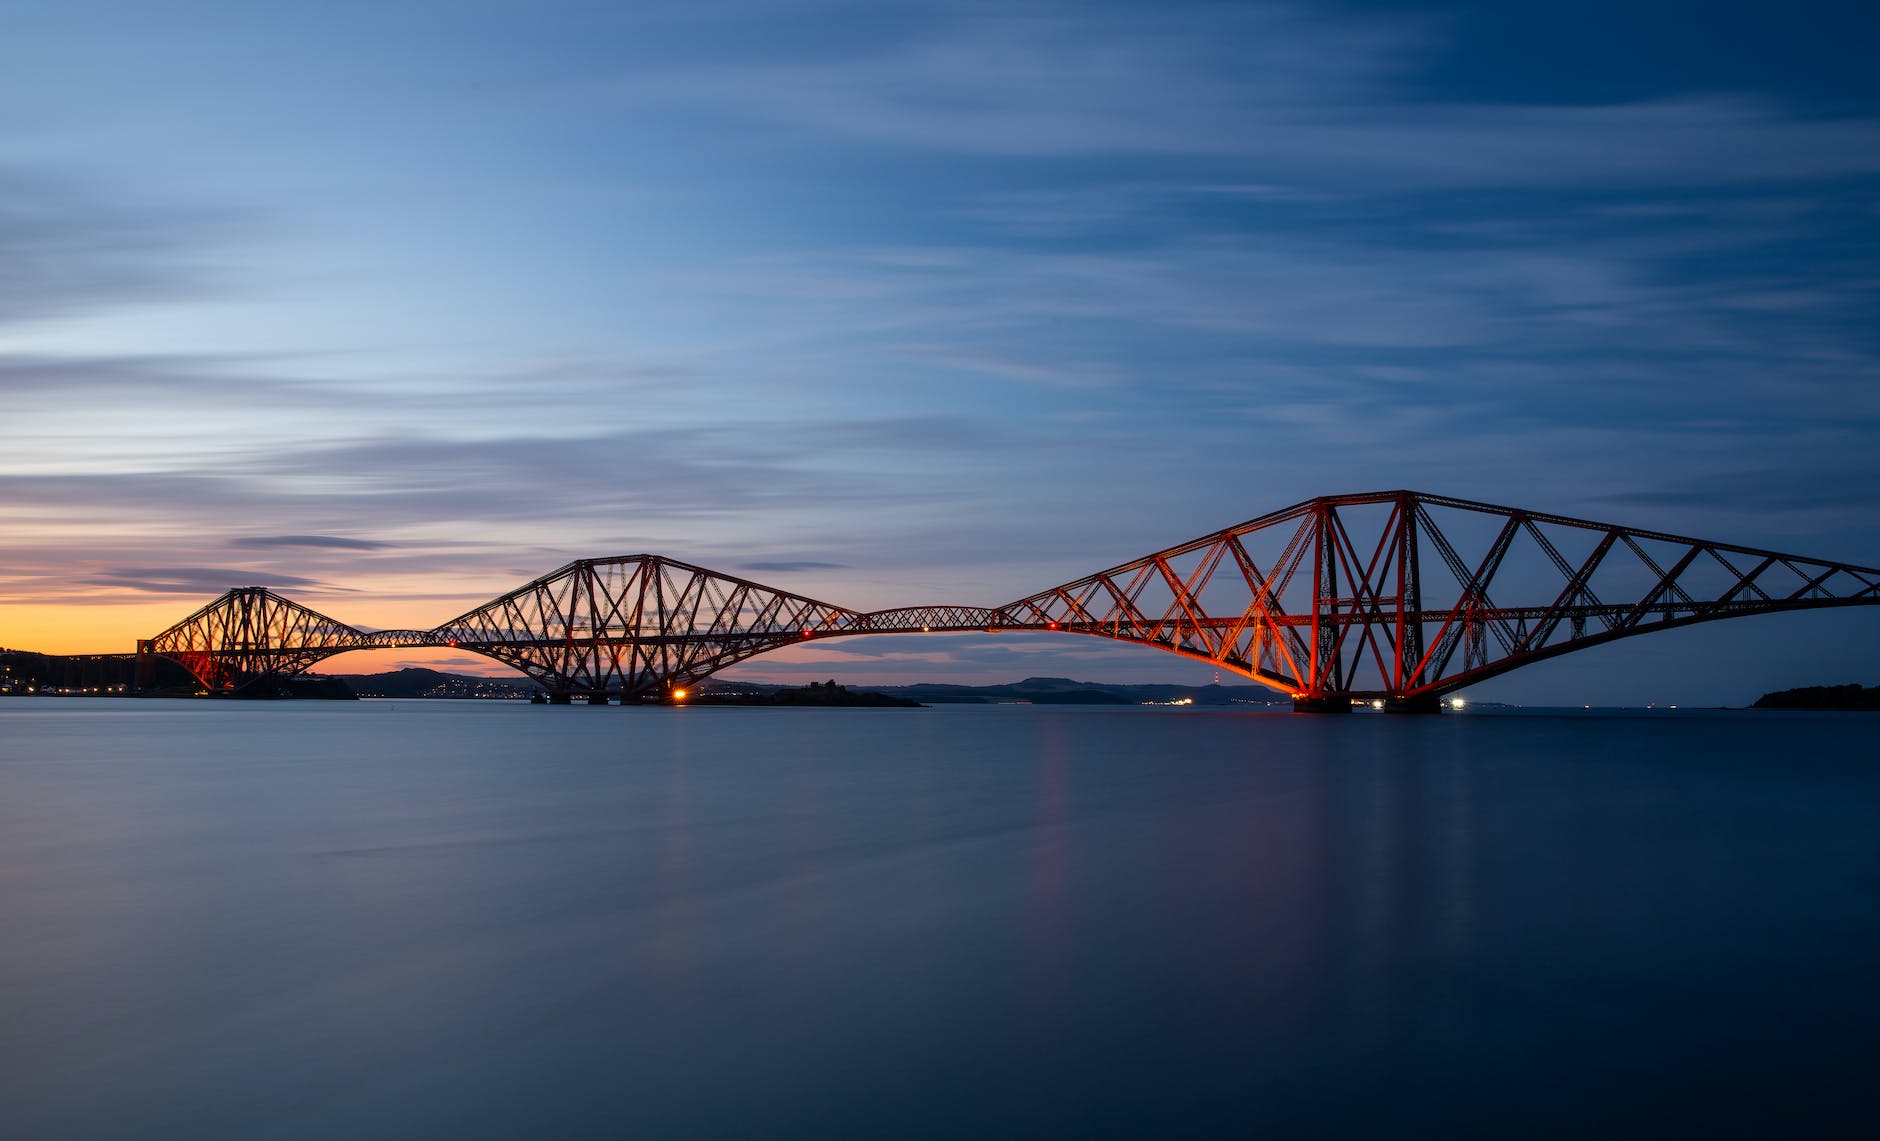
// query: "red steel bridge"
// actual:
[[1395, 597]]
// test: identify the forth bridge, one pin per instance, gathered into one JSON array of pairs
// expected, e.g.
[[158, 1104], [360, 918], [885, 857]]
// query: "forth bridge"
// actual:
[[1395, 597]]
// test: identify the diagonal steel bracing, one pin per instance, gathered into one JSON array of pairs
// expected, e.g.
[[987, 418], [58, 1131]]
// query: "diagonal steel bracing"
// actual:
[[248, 634], [1333, 600], [1374, 619]]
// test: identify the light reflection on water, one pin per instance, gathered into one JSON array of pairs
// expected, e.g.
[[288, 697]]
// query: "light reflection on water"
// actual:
[[493, 920]]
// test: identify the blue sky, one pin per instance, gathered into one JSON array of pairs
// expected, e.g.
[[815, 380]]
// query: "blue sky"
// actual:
[[908, 303]]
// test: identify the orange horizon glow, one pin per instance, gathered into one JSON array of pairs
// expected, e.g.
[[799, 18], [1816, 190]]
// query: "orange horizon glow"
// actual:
[[112, 622], [109, 627], [115, 628]]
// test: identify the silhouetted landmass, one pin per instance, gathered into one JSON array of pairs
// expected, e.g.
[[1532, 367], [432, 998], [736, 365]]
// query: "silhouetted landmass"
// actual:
[[1847, 697], [1064, 691], [425, 683], [24, 673], [298, 689], [820, 694], [1053, 691], [417, 683]]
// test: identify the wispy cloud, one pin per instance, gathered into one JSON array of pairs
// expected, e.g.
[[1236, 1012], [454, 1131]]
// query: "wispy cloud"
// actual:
[[68, 249], [792, 565], [940, 302], [1297, 95], [331, 542], [194, 580]]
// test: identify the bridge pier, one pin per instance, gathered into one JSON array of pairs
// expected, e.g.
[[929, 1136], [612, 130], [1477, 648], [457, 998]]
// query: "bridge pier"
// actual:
[[1421, 703], [1357, 616], [1333, 704]]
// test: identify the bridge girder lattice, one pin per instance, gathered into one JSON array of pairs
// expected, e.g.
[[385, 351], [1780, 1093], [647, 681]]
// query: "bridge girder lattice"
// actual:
[[1395, 596], [248, 634], [1402, 596]]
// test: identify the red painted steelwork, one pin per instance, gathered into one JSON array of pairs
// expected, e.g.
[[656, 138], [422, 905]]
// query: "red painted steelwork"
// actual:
[[1371, 618]]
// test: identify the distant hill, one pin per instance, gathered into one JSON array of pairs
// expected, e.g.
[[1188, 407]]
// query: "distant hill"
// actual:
[[1054, 691], [23, 672], [415, 682], [422, 683], [1846, 697], [818, 694]]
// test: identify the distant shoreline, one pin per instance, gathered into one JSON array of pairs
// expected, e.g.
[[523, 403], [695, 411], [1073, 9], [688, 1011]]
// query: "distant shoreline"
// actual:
[[25, 673], [1831, 698]]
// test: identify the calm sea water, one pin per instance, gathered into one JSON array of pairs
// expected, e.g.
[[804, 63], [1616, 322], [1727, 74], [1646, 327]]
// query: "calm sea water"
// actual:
[[495, 920]]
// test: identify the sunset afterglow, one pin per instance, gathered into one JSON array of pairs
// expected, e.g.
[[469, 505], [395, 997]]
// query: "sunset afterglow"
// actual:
[[945, 303]]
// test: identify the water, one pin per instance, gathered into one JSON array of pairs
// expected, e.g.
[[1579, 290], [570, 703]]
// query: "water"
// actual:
[[495, 920]]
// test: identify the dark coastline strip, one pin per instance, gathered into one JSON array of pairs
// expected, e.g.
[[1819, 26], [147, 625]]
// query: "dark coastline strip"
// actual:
[[1847, 698]]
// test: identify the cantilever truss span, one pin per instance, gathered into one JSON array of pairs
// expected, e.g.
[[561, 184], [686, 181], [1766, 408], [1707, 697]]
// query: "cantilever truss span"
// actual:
[[1404, 597], [1394, 596]]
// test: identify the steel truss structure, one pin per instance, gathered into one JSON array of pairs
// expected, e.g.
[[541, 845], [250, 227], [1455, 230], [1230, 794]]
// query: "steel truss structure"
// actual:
[[642, 625], [1396, 597], [250, 634], [1403, 597]]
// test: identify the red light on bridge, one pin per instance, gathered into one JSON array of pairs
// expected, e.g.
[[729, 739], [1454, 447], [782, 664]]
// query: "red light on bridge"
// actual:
[[701, 621]]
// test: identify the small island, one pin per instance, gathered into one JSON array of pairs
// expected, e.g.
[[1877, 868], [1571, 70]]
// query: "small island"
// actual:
[[1836, 697]]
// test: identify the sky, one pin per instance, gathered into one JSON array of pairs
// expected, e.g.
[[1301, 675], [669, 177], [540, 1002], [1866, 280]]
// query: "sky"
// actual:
[[394, 307]]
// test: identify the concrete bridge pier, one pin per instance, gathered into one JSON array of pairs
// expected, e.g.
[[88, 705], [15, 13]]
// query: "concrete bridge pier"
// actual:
[[597, 698], [561, 698], [1417, 703]]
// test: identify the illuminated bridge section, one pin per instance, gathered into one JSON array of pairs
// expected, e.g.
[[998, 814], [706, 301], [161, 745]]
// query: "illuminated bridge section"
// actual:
[[1400, 597], [1394, 597], [634, 626], [250, 633], [926, 620]]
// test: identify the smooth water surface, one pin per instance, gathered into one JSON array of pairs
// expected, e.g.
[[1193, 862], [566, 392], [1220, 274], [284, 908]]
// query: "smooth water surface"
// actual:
[[497, 920]]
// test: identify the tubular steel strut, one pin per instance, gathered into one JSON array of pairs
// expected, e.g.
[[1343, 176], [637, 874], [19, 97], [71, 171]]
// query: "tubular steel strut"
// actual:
[[1371, 618]]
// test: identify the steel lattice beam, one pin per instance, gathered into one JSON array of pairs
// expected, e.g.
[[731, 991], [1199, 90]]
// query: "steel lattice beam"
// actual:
[[250, 634], [1332, 600], [1373, 619]]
